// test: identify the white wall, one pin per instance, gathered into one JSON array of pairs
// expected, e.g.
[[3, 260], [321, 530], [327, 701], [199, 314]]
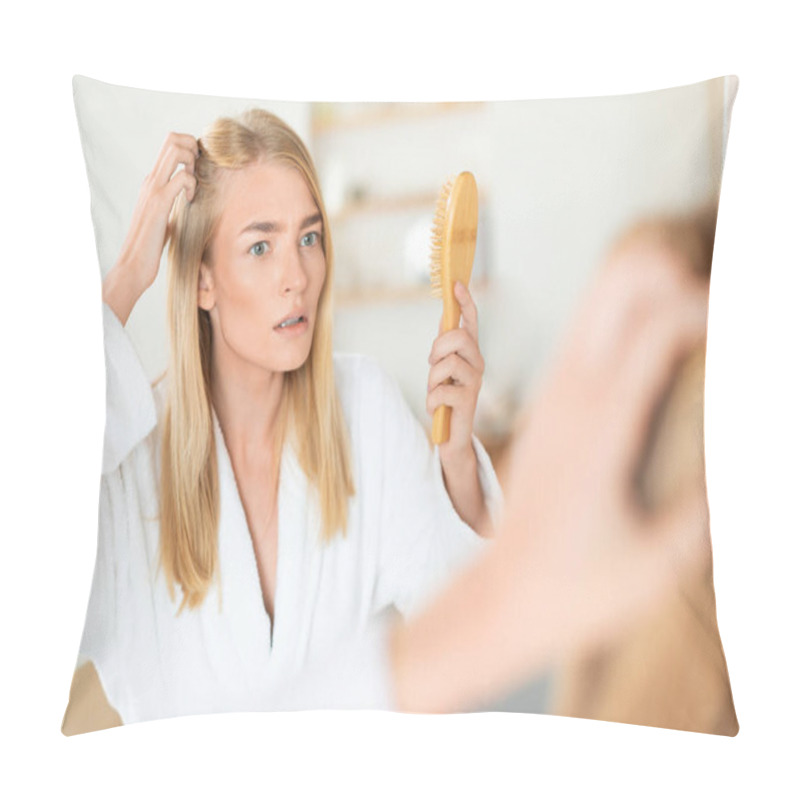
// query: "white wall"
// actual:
[[561, 179]]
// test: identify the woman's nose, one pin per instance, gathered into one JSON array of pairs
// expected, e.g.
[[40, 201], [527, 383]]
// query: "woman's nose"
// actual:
[[294, 278]]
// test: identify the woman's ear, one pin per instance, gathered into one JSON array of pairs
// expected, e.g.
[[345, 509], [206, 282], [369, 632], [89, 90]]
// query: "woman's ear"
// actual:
[[205, 288]]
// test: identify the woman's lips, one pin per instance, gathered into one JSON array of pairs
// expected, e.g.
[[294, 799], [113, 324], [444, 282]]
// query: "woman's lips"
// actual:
[[292, 325]]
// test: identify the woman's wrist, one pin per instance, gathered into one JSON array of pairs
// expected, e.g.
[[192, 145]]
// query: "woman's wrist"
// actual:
[[460, 473], [458, 464], [122, 287]]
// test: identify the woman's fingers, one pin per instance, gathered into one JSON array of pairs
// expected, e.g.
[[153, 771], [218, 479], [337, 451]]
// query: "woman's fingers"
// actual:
[[178, 148], [660, 313], [455, 369], [456, 374], [469, 311], [181, 180], [643, 315], [174, 171], [633, 283], [445, 395], [458, 341], [649, 366]]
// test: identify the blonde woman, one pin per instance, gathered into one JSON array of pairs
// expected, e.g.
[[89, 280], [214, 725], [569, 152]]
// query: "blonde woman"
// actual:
[[267, 500], [577, 561]]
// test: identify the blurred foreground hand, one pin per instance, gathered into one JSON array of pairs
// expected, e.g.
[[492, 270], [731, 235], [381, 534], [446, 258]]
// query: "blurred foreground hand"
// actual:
[[578, 558]]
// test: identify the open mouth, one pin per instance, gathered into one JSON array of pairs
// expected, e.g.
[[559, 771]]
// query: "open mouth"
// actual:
[[290, 322]]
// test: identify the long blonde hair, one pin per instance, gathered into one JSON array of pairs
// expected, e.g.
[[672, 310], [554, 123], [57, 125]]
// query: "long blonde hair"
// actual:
[[310, 410]]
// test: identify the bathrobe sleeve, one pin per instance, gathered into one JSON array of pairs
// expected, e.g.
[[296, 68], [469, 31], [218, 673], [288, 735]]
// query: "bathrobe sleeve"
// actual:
[[130, 404], [423, 541], [127, 501]]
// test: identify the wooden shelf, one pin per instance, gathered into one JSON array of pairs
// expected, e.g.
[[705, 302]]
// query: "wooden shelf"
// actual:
[[386, 205], [322, 123], [391, 204], [379, 295], [382, 294]]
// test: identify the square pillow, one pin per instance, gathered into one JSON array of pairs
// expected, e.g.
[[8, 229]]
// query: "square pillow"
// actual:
[[259, 557]]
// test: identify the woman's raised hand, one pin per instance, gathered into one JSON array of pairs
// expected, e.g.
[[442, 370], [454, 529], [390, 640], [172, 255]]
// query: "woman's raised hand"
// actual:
[[454, 380], [138, 262], [455, 377]]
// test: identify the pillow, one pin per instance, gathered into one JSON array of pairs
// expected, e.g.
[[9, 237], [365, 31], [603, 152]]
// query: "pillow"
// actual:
[[270, 607]]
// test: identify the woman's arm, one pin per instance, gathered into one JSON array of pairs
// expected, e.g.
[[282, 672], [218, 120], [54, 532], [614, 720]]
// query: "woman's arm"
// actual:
[[130, 405], [137, 265], [455, 380]]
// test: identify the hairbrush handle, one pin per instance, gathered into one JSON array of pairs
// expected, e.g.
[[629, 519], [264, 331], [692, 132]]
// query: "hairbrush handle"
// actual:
[[451, 317], [440, 432], [455, 232]]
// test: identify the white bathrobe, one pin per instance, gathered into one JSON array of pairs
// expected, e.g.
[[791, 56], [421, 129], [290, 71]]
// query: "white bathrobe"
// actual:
[[325, 649]]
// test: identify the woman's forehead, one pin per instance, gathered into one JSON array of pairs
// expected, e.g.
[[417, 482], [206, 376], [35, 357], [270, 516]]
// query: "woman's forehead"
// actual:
[[265, 192]]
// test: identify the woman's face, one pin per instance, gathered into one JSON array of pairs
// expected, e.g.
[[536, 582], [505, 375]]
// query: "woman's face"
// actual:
[[267, 268]]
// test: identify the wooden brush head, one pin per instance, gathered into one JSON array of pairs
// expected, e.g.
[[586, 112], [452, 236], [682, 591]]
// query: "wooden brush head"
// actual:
[[455, 231]]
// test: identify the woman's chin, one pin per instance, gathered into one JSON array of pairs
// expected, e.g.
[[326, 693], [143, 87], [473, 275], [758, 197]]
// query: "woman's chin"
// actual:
[[290, 361], [285, 355], [293, 348], [294, 367]]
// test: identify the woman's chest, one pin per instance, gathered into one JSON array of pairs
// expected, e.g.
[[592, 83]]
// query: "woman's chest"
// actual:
[[276, 567], [228, 653], [258, 497]]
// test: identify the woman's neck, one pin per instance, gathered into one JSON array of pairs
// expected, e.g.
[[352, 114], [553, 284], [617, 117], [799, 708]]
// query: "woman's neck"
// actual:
[[247, 401]]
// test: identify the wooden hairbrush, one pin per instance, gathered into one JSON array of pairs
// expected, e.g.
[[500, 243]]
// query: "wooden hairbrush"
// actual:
[[455, 229]]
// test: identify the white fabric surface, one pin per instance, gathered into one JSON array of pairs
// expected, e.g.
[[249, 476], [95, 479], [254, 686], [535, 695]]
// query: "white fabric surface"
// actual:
[[326, 649]]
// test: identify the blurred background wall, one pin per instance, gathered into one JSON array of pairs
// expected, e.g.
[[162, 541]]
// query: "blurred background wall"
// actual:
[[559, 180]]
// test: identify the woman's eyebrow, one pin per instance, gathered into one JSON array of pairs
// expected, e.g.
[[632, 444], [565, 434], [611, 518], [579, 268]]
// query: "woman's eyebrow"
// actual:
[[263, 227], [312, 220], [275, 227]]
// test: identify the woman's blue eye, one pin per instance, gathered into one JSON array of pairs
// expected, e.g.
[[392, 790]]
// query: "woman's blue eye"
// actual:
[[309, 239], [259, 248]]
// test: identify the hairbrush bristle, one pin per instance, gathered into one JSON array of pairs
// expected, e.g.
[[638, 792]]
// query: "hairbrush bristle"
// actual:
[[437, 237]]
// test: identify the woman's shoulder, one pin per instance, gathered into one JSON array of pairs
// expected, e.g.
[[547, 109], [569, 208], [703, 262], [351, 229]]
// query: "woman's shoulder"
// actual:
[[361, 378], [371, 398], [356, 366]]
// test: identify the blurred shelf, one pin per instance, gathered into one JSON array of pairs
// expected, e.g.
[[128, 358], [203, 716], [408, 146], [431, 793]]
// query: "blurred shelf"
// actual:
[[392, 204], [386, 205], [382, 295], [326, 119]]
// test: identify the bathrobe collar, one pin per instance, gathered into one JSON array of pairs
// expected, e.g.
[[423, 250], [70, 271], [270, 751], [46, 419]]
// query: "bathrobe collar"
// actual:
[[298, 526]]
